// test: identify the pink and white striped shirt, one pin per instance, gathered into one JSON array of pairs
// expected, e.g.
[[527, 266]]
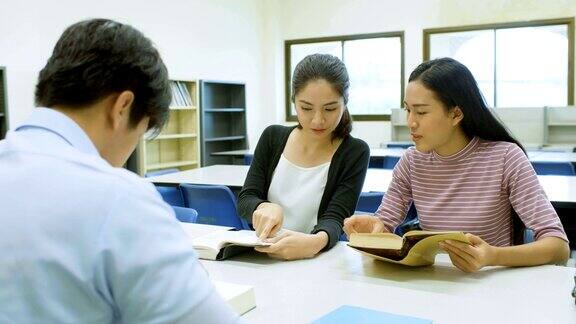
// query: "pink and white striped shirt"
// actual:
[[471, 191]]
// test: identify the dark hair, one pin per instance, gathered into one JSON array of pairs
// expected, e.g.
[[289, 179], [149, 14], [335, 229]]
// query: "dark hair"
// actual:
[[330, 68], [99, 57], [454, 85]]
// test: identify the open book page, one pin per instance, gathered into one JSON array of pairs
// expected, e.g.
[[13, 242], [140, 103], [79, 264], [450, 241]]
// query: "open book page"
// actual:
[[218, 240], [197, 230], [414, 248]]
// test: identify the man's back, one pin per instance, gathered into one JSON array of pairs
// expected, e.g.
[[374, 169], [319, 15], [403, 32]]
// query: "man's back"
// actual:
[[83, 242]]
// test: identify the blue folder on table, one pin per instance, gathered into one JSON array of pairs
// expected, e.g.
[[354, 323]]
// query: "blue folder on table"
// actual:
[[353, 314]]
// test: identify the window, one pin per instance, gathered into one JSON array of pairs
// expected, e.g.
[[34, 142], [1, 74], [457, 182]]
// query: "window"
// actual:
[[515, 64], [375, 65]]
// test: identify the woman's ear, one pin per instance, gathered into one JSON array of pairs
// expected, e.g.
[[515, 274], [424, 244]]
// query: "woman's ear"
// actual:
[[457, 116]]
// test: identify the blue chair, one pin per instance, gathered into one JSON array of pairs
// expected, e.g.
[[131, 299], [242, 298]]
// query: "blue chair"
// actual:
[[185, 215], [411, 222], [216, 205], [528, 235], [171, 195], [554, 168], [376, 162], [369, 201], [248, 159], [390, 162]]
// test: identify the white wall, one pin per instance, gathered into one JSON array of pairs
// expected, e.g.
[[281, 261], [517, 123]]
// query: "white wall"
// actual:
[[201, 39], [306, 19], [243, 40]]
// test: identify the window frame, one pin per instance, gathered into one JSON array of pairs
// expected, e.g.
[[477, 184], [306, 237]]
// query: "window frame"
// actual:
[[569, 22], [341, 39]]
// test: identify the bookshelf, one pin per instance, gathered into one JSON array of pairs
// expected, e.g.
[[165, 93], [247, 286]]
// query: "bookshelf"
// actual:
[[177, 146], [3, 104], [223, 120]]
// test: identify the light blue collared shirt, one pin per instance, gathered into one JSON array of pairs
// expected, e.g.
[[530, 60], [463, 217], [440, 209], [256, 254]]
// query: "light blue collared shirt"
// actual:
[[84, 242]]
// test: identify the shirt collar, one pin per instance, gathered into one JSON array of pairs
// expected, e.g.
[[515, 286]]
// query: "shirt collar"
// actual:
[[61, 125]]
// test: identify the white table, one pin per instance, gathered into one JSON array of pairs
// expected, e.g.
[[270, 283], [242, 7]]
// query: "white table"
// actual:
[[559, 189], [304, 290], [554, 157]]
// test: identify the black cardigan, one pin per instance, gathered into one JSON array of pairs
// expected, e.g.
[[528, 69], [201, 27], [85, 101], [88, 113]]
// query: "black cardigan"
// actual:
[[343, 186]]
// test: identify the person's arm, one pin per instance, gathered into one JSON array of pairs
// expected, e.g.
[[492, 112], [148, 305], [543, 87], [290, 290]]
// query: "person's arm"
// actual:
[[147, 268], [535, 210], [255, 191], [473, 257], [398, 197], [343, 201], [547, 250]]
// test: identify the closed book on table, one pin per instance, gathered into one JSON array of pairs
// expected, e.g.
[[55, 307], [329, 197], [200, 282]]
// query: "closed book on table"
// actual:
[[240, 297]]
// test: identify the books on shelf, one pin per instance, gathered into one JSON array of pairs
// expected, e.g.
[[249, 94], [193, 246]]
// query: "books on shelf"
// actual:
[[414, 248], [240, 297], [180, 94], [354, 314], [220, 242]]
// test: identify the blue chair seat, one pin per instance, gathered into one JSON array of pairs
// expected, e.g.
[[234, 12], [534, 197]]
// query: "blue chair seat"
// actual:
[[171, 195], [185, 215]]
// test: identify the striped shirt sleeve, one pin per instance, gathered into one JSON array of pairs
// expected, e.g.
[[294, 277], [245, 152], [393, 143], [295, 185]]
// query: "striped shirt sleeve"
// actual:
[[398, 197], [528, 197]]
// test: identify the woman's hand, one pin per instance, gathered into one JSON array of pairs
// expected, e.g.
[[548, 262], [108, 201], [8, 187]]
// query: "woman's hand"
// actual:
[[470, 257], [290, 245], [363, 224], [267, 220]]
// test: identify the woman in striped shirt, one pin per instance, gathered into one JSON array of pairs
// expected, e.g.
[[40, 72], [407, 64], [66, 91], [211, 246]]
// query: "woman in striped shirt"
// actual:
[[467, 173]]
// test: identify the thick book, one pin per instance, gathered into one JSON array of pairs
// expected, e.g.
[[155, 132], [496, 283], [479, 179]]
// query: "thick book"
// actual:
[[353, 314], [414, 248], [240, 297], [220, 242]]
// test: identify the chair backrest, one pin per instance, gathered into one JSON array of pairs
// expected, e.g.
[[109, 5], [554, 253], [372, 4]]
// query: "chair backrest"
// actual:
[[160, 172], [171, 195], [248, 159], [216, 205], [390, 162], [369, 201], [185, 215], [554, 168], [411, 222]]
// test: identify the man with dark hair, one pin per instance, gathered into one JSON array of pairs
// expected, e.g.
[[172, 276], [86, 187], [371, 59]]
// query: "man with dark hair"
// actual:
[[81, 239]]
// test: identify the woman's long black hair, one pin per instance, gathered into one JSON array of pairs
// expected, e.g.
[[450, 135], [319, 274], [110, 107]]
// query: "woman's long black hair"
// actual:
[[454, 85]]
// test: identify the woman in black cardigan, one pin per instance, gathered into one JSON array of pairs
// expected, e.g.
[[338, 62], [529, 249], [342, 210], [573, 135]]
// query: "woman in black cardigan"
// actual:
[[307, 178]]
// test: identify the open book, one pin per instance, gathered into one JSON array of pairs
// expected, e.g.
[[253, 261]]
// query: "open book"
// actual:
[[240, 297], [415, 248], [220, 242]]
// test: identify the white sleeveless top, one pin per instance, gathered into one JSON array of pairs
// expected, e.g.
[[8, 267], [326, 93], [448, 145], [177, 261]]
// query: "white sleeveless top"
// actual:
[[299, 191]]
